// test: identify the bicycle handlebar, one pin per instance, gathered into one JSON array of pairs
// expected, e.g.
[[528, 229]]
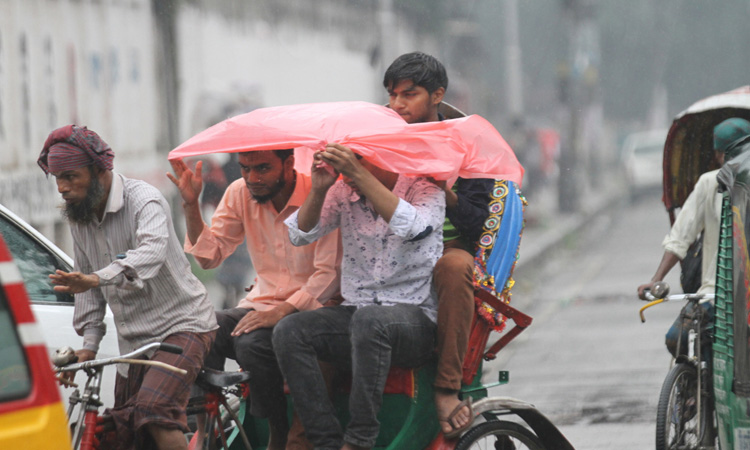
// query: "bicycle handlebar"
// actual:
[[653, 301], [129, 358], [170, 348]]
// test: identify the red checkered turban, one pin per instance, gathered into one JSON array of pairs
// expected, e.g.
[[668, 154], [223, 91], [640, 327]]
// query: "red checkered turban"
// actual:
[[72, 147]]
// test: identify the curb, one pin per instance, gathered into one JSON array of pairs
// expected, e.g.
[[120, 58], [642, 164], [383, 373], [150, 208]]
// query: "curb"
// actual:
[[537, 243]]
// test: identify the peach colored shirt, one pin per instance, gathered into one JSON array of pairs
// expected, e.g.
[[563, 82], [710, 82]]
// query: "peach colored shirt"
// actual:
[[305, 276]]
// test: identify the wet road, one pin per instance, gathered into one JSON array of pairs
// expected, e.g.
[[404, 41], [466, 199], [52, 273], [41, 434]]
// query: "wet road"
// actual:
[[587, 362]]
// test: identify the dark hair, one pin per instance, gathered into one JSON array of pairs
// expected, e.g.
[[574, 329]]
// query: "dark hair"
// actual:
[[283, 154], [422, 69]]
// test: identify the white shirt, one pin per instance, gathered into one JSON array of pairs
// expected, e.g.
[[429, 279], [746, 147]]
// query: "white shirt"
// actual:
[[701, 212], [384, 263]]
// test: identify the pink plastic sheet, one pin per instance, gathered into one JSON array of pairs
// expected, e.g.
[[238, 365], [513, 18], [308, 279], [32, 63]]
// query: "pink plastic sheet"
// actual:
[[468, 147]]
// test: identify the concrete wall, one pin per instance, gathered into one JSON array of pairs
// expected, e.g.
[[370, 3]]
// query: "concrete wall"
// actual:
[[93, 62], [67, 61], [269, 65]]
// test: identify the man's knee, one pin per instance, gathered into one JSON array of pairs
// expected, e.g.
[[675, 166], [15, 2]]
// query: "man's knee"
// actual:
[[285, 334], [455, 267], [254, 348], [368, 319]]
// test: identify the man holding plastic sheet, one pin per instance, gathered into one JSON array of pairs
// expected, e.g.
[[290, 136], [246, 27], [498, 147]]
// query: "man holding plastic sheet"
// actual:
[[701, 213], [391, 230], [416, 83], [128, 257]]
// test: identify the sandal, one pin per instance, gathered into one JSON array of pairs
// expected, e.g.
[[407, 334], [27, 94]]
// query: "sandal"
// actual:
[[455, 432]]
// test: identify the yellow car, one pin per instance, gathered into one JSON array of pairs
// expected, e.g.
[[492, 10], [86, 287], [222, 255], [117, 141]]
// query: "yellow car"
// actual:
[[31, 414]]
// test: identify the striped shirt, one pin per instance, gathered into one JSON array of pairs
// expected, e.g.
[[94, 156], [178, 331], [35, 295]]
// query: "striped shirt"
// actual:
[[151, 291]]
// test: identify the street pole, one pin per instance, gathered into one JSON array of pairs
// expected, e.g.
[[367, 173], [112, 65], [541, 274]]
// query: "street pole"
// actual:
[[514, 70], [569, 183], [165, 17], [387, 41]]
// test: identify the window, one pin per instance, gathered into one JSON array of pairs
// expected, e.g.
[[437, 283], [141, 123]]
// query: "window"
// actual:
[[35, 262], [15, 380]]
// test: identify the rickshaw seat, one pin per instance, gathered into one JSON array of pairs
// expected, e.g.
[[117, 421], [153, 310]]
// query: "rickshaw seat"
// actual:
[[400, 380]]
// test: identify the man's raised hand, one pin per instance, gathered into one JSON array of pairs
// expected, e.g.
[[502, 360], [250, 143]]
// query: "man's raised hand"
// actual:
[[188, 182], [341, 158], [323, 174]]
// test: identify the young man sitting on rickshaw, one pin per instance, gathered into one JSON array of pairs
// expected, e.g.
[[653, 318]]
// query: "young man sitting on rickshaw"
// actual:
[[289, 278], [416, 83], [391, 229], [700, 213]]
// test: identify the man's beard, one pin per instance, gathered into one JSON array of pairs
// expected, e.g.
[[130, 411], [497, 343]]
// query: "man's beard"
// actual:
[[275, 189], [84, 212]]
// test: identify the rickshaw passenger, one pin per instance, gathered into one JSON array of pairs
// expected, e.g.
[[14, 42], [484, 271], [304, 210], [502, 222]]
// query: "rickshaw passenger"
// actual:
[[290, 278], [416, 83], [700, 213], [391, 228]]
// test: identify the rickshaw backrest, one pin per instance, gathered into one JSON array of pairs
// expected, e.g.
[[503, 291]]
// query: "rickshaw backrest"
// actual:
[[494, 262]]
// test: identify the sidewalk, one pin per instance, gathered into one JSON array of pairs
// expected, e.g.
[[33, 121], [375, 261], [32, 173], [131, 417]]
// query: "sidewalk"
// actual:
[[547, 228]]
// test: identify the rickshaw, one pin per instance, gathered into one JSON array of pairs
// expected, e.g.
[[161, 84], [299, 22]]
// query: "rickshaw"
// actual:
[[408, 418], [688, 153]]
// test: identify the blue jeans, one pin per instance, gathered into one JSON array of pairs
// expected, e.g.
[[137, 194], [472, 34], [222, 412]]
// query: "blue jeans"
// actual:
[[367, 341]]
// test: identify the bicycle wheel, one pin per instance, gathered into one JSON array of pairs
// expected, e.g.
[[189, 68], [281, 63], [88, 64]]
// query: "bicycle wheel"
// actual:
[[676, 415], [499, 435]]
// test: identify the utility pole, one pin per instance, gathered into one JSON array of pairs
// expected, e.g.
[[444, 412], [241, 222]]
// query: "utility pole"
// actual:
[[387, 47], [165, 17], [514, 70], [569, 191], [580, 158]]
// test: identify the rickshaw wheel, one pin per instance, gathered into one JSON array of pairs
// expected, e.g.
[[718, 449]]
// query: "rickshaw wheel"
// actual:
[[676, 415], [499, 435]]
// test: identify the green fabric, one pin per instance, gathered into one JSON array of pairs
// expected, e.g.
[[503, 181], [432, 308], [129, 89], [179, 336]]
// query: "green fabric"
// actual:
[[450, 232], [728, 132]]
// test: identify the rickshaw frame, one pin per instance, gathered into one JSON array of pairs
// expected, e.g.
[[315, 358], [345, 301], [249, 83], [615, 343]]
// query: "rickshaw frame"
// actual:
[[688, 153]]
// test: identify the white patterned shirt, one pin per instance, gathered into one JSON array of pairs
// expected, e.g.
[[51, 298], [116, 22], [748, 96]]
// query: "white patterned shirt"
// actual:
[[384, 263], [151, 291]]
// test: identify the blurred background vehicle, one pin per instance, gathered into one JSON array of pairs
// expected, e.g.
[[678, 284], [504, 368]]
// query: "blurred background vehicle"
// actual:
[[642, 154], [31, 414], [36, 258]]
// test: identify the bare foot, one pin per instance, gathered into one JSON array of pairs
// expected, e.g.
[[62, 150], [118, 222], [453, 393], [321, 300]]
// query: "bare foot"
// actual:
[[446, 403]]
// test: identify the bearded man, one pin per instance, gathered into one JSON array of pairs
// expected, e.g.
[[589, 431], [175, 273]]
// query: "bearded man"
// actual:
[[290, 279], [128, 257]]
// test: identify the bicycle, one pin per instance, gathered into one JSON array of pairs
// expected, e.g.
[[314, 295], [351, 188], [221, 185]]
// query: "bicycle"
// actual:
[[87, 426], [684, 415], [224, 392]]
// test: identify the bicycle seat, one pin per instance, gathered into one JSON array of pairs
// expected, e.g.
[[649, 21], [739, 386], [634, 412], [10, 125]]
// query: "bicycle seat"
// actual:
[[210, 378]]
